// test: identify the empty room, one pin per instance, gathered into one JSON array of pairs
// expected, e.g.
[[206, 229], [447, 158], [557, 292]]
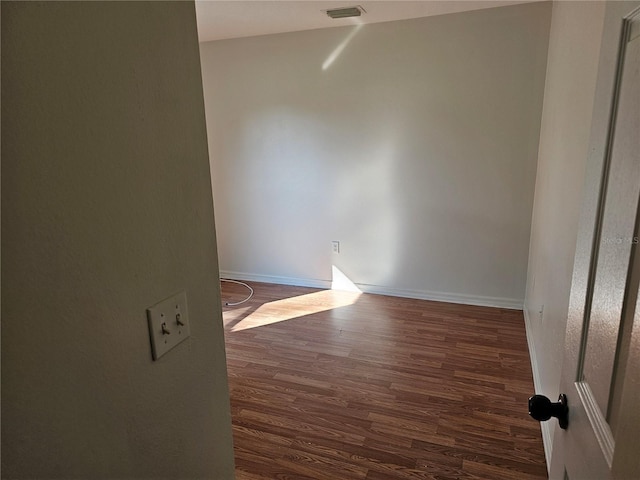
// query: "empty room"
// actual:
[[418, 166], [395, 158], [320, 240]]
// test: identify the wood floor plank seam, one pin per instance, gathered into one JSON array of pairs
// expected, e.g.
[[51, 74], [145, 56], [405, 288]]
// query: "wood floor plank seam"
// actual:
[[339, 385]]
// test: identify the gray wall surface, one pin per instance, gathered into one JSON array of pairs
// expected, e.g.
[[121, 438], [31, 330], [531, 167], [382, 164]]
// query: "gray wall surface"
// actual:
[[414, 143], [106, 210]]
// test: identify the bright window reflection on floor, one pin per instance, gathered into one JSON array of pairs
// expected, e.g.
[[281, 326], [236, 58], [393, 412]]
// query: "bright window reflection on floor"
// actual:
[[343, 293], [288, 308]]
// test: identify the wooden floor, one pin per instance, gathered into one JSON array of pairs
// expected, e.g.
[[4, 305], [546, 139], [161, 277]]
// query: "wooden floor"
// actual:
[[337, 385]]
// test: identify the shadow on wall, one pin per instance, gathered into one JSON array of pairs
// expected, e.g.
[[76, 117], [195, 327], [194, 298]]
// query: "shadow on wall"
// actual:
[[366, 219]]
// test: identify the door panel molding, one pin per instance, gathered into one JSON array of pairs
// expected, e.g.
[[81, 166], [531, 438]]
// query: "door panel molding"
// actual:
[[598, 421], [626, 29]]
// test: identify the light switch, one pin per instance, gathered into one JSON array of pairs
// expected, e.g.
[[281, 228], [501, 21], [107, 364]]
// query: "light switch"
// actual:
[[168, 324]]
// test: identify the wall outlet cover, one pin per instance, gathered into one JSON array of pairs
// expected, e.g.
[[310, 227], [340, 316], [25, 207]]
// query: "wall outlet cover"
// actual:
[[168, 324]]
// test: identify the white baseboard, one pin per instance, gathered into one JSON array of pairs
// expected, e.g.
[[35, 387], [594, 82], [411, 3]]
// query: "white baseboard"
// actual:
[[547, 439], [499, 302], [256, 277]]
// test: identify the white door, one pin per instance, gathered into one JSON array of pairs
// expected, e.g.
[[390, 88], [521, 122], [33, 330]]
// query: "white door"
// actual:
[[601, 371]]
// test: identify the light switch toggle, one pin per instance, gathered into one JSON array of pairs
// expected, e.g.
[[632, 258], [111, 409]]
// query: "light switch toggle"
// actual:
[[166, 333]]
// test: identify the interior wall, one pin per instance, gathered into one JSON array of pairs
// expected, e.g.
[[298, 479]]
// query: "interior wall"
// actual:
[[413, 143], [106, 210], [574, 49]]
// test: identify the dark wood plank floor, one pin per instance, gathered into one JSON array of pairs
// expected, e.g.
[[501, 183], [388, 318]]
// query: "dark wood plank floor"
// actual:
[[336, 385]]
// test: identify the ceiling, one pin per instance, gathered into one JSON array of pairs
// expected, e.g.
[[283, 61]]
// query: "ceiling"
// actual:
[[222, 19]]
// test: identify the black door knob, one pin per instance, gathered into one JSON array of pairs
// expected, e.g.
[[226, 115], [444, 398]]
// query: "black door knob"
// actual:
[[541, 408]]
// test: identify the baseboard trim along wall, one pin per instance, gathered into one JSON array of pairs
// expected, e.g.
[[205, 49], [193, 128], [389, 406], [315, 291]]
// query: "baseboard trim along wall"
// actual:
[[256, 277], [537, 385], [498, 302]]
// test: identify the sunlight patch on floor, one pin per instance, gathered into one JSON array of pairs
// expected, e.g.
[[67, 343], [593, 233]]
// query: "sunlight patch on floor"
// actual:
[[235, 315], [290, 308]]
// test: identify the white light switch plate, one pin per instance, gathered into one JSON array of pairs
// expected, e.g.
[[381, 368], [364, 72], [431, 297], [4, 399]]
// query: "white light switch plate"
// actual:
[[164, 324]]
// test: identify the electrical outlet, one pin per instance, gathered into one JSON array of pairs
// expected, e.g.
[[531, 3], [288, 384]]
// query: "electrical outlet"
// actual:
[[168, 324], [541, 313], [335, 245]]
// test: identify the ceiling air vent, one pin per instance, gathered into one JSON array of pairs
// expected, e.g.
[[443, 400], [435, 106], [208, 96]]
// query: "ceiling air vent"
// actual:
[[346, 12]]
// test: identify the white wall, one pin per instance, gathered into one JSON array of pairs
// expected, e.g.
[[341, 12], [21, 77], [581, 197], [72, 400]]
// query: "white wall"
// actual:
[[416, 149], [574, 48], [107, 209]]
